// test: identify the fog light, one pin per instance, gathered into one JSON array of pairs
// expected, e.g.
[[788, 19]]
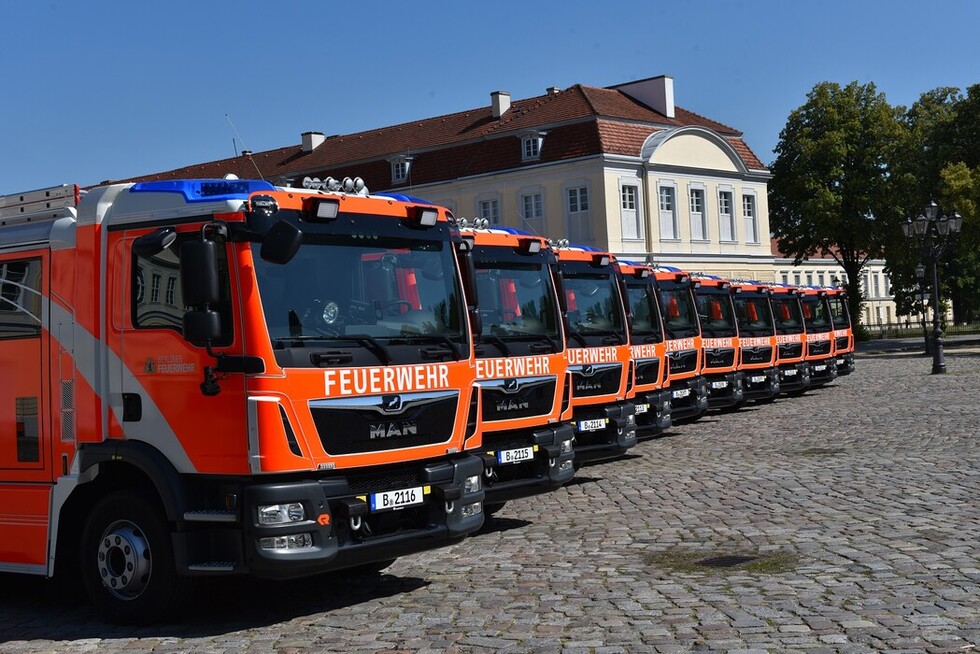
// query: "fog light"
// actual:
[[471, 484], [291, 542], [278, 514], [565, 465], [631, 420], [470, 510], [565, 447]]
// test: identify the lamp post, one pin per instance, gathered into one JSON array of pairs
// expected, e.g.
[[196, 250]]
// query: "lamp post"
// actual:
[[920, 274], [930, 231]]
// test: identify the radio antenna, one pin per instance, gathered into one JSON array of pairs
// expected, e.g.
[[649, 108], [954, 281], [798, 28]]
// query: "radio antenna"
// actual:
[[245, 146]]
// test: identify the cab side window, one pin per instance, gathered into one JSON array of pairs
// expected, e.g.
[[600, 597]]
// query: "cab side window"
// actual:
[[20, 299], [156, 293]]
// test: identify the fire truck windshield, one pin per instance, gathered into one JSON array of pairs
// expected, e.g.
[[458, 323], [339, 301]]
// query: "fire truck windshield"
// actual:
[[754, 314], [680, 313], [715, 313], [517, 298], [594, 308], [646, 324], [789, 319], [838, 312], [816, 313], [365, 290]]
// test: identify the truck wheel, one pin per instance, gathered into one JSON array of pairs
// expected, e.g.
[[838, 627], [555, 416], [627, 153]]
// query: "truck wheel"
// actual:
[[493, 509], [127, 561]]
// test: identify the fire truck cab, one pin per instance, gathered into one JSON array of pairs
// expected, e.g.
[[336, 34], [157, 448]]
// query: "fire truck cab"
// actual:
[[687, 386], [521, 365], [598, 354], [794, 370], [223, 377], [757, 340], [719, 341], [820, 342], [843, 330], [648, 348]]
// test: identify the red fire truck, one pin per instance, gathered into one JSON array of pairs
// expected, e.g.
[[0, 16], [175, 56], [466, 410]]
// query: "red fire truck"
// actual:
[[719, 341], [794, 370], [598, 354], [757, 340], [688, 387], [649, 349], [212, 377], [820, 342], [843, 330], [521, 366]]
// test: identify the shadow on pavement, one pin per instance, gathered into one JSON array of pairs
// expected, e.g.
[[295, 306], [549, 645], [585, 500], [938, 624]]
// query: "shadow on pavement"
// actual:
[[496, 525], [31, 609]]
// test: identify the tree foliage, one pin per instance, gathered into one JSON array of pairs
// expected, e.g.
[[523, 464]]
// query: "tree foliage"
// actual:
[[832, 193]]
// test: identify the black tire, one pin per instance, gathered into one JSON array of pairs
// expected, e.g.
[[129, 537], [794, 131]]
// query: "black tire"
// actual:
[[127, 561]]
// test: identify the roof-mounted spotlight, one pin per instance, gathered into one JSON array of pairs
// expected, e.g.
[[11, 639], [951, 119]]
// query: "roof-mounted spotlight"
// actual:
[[425, 216], [529, 246], [681, 278], [600, 260], [325, 209]]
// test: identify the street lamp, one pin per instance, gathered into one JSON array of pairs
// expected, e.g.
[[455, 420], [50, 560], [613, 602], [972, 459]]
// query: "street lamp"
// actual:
[[920, 275], [930, 232]]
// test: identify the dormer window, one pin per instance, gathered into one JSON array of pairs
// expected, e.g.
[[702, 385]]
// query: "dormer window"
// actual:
[[531, 145], [399, 169]]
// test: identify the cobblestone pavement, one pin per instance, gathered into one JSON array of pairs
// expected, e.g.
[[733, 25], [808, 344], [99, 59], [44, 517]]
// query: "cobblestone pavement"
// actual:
[[860, 500]]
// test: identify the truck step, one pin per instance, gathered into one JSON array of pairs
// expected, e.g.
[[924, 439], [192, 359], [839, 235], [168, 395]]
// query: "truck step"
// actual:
[[213, 566], [210, 515]]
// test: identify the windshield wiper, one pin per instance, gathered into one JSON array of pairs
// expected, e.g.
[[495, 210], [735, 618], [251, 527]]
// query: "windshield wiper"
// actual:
[[578, 337], [371, 343], [453, 347], [496, 340]]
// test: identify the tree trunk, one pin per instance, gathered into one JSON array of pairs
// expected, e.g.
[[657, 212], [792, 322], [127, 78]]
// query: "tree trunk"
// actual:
[[854, 297]]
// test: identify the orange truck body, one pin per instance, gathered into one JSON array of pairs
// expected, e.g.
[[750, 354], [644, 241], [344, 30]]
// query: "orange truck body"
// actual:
[[648, 348], [685, 381], [521, 366], [323, 424], [794, 369], [719, 341], [757, 340], [821, 345], [843, 330], [598, 353]]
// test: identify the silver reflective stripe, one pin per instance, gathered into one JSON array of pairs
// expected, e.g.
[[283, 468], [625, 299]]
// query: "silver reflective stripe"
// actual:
[[512, 385], [379, 402]]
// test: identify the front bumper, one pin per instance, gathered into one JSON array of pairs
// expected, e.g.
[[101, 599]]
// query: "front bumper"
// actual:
[[761, 384], [688, 398], [340, 528], [845, 364], [725, 390], [823, 371], [653, 413], [794, 377], [616, 435], [507, 475]]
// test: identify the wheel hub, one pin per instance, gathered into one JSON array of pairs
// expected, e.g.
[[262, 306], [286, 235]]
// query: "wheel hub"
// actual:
[[124, 560]]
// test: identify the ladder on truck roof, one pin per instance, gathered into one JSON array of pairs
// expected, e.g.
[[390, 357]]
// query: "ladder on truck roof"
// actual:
[[42, 204]]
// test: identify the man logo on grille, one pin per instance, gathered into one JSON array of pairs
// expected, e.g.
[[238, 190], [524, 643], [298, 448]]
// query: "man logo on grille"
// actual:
[[588, 371], [510, 385], [391, 403]]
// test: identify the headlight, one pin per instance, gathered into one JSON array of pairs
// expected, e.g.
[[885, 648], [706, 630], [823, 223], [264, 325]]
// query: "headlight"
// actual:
[[279, 514], [471, 484], [470, 510], [565, 447], [291, 542]]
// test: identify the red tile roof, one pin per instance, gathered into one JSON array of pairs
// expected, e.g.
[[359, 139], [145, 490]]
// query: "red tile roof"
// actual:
[[580, 121]]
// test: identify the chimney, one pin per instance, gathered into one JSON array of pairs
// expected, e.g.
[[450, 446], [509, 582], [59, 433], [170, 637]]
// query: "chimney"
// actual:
[[246, 153], [500, 103], [312, 140], [655, 92], [552, 90]]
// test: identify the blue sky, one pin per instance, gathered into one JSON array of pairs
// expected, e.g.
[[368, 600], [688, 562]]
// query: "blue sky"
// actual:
[[111, 89]]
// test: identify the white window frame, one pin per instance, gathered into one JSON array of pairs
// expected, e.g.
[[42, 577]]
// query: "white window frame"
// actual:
[[578, 221], [535, 222], [668, 216], [750, 219], [727, 230], [489, 208], [401, 168], [631, 217], [699, 219]]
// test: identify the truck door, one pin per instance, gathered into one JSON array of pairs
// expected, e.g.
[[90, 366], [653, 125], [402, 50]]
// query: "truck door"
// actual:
[[161, 373], [25, 450]]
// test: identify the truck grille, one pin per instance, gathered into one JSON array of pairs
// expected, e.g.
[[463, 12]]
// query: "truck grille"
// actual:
[[819, 347], [599, 379], [790, 350], [517, 398], [719, 358], [683, 361], [648, 372], [384, 422], [756, 355]]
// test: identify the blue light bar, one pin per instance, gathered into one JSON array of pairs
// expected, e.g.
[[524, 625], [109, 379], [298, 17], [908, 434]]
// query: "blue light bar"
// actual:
[[402, 197], [515, 231], [205, 190]]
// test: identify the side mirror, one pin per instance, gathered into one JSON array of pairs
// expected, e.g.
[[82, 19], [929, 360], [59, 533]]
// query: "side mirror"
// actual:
[[281, 242], [476, 322], [199, 273], [155, 242], [202, 327]]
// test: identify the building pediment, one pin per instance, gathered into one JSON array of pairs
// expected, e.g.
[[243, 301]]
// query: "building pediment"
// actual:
[[692, 147]]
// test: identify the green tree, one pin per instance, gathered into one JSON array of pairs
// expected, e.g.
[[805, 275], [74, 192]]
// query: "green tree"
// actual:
[[831, 192]]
